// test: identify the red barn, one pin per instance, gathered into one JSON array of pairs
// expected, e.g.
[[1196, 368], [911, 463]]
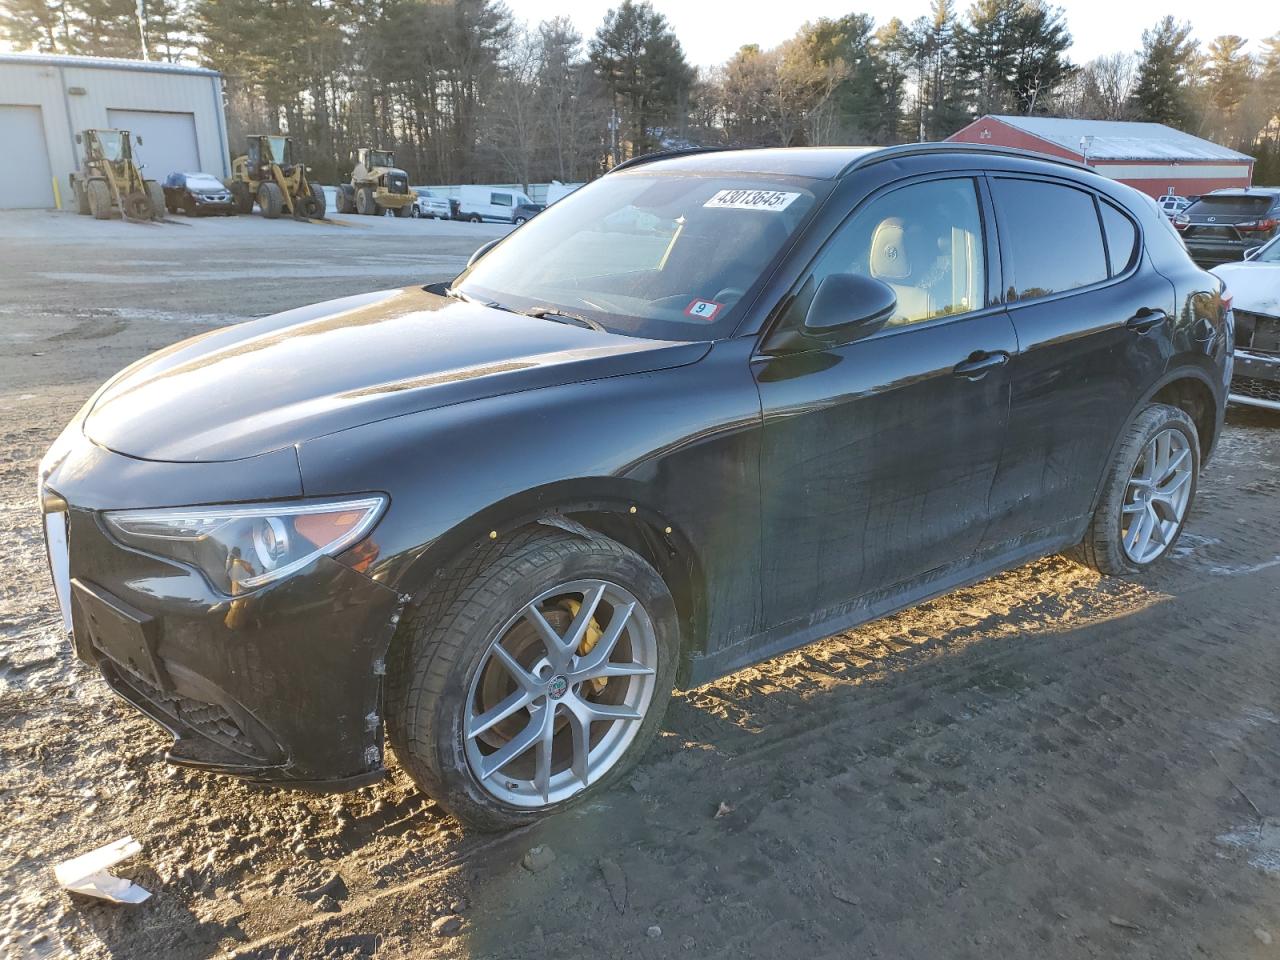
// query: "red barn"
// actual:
[[1148, 156]]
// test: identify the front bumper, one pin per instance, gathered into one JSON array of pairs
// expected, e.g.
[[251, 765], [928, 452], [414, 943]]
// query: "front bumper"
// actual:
[[219, 204], [1256, 380], [281, 685]]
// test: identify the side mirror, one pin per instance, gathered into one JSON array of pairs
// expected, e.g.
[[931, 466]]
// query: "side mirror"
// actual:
[[79, 138], [851, 305], [137, 139], [481, 251], [1252, 252]]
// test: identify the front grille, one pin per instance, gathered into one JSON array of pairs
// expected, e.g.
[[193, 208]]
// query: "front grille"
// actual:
[[1256, 389], [205, 719], [1256, 331]]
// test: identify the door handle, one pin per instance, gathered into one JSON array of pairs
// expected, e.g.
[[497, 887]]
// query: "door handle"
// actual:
[[979, 364], [1145, 319]]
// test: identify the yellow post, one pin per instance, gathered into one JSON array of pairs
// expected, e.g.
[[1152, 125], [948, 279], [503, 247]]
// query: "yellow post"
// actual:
[[57, 194]]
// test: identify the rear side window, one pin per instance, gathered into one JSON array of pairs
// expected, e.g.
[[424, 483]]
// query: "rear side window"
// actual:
[[1051, 236], [1122, 238]]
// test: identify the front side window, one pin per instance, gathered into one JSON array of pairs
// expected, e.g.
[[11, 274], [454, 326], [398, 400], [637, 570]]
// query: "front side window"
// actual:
[[279, 148], [381, 158], [667, 256], [923, 240], [111, 145], [1052, 237]]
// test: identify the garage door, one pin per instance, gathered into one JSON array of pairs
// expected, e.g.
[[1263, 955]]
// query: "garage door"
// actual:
[[168, 140], [27, 179]]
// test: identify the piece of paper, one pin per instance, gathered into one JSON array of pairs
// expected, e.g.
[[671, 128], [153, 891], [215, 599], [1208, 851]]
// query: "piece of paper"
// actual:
[[87, 874], [774, 200]]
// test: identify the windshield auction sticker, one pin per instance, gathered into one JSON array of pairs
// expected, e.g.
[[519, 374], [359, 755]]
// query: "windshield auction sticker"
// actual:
[[703, 309], [751, 200]]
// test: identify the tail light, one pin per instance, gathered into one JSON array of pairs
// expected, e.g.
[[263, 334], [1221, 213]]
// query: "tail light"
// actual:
[[1268, 224]]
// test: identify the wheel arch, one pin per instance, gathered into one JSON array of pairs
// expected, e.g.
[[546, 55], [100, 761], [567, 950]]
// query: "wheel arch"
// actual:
[[1189, 389], [621, 510]]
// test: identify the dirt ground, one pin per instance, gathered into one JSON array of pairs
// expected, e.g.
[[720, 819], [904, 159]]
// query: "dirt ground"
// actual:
[[1049, 764]]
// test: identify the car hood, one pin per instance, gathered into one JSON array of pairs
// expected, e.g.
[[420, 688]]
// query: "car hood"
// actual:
[[1254, 286], [249, 389]]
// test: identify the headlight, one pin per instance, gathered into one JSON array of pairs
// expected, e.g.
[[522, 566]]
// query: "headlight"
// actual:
[[242, 547]]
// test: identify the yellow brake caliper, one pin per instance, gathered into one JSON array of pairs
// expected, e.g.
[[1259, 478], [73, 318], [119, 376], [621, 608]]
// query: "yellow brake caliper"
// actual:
[[593, 635]]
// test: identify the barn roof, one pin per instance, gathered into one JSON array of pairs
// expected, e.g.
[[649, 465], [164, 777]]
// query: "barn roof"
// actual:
[[1121, 139], [106, 63]]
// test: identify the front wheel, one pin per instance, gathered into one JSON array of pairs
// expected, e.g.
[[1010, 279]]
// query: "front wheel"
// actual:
[[1147, 494], [540, 683]]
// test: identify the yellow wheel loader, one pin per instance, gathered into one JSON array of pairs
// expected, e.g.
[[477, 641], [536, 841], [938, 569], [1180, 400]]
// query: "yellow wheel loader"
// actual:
[[268, 175], [108, 179], [377, 185]]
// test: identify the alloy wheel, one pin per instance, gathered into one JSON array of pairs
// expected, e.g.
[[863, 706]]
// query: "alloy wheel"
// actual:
[[560, 693], [1157, 496]]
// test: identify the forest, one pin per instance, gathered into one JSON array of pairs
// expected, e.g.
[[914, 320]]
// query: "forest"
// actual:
[[466, 92]]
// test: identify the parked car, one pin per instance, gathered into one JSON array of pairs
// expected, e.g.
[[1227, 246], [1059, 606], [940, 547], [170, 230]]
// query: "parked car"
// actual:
[[614, 458], [431, 207], [1222, 225], [526, 211], [1254, 285], [196, 194], [1172, 204], [484, 203]]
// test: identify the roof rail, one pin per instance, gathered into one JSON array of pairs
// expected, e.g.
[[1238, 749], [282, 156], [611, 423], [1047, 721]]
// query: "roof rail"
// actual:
[[668, 154], [952, 146]]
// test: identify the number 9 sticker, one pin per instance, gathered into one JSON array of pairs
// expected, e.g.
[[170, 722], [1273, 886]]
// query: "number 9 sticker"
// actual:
[[703, 309]]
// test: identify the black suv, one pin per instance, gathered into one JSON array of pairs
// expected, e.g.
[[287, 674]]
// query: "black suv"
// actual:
[[706, 409], [1224, 225], [196, 194]]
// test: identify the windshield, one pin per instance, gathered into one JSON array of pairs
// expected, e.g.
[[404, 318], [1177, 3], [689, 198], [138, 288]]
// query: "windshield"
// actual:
[[111, 144], [381, 158], [279, 147], [1270, 253], [203, 181], [654, 255], [1230, 205]]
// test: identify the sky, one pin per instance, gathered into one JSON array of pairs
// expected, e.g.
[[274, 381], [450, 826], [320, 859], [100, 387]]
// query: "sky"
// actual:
[[711, 30]]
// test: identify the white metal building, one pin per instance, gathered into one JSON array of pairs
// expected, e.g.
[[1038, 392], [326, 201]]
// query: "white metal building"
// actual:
[[46, 100]]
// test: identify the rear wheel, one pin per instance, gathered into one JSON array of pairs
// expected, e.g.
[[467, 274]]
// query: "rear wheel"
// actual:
[[366, 206], [539, 682], [270, 200], [242, 197], [155, 193], [82, 197], [405, 211], [1147, 495], [99, 199]]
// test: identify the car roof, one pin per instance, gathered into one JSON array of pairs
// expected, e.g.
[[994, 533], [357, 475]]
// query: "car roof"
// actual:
[[819, 163]]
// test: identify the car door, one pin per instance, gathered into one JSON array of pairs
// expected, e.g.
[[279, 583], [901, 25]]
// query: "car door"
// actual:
[[1094, 323], [878, 454]]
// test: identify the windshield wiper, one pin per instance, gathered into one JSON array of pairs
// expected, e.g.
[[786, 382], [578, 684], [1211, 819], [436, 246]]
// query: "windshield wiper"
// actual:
[[562, 316]]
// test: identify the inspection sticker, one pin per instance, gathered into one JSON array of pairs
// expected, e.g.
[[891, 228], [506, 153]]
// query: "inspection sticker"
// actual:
[[703, 309], [751, 200]]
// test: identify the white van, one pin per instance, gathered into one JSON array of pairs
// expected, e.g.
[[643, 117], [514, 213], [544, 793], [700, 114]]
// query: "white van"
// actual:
[[488, 203]]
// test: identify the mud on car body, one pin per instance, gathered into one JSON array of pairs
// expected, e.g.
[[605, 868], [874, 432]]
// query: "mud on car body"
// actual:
[[711, 407]]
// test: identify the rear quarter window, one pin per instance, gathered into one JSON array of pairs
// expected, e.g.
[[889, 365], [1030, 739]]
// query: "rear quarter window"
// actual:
[[1051, 235], [1122, 238]]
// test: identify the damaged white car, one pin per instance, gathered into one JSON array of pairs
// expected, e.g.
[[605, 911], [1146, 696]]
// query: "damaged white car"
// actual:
[[1254, 285]]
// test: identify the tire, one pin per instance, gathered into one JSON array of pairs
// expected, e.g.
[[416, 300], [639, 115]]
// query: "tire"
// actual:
[[476, 218], [155, 193], [519, 220], [366, 206], [405, 211], [242, 197], [321, 205], [441, 665], [270, 200], [82, 197], [1111, 543], [413, 211], [99, 199]]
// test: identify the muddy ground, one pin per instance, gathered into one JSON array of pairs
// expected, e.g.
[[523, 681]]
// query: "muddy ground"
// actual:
[[1049, 764]]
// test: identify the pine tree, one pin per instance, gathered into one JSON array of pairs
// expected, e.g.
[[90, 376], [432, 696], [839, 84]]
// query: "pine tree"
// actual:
[[1162, 93]]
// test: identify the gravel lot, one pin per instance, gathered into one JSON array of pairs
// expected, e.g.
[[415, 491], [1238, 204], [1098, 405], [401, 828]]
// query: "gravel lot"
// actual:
[[1049, 764]]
